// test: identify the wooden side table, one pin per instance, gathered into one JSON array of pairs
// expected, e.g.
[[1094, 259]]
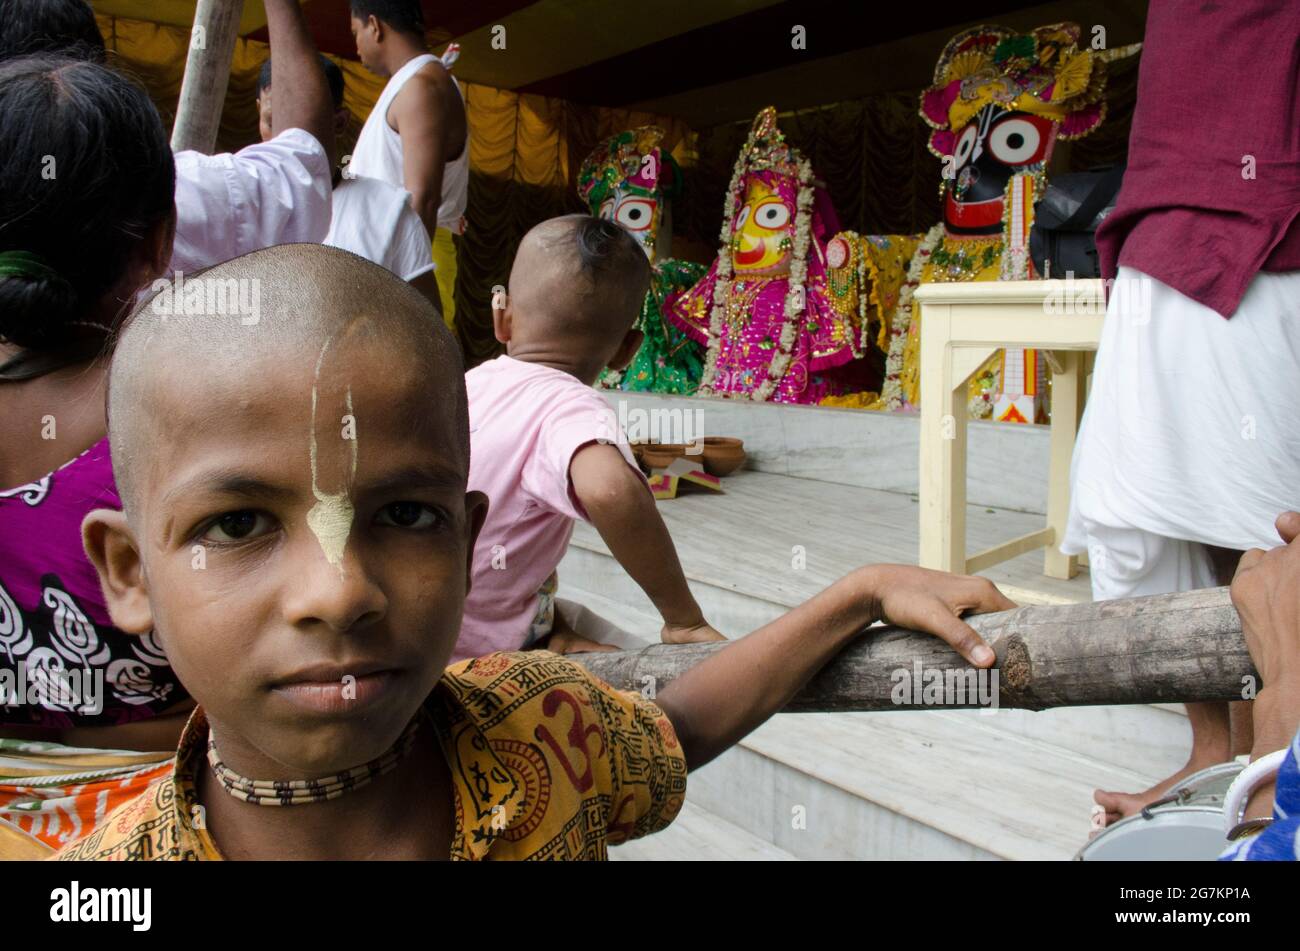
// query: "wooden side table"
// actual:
[[962, 325]]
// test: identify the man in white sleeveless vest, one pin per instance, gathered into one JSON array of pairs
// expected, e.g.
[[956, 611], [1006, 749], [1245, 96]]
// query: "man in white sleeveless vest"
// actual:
[[417, 136]]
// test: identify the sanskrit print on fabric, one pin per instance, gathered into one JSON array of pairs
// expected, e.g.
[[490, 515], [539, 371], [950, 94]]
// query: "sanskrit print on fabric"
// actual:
[[547, 762], [59, 669]]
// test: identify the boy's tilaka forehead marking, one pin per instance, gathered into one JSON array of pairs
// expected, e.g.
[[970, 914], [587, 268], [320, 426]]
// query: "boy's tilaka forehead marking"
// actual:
[[330, 519]]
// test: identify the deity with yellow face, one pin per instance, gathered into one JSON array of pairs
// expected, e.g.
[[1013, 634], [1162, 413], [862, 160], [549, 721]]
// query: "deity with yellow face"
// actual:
[[763, 235], [762, 310]]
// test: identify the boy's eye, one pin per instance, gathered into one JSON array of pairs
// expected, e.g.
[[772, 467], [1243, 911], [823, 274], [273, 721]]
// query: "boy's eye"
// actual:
[[408, 515], [237, 526]]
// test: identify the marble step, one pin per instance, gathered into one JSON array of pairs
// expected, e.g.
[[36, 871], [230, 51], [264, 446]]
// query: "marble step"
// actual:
[[780, 539], [934, 784], [1147, 741], [699, 835], [930, 785], [1006, 464], [1143, 738]]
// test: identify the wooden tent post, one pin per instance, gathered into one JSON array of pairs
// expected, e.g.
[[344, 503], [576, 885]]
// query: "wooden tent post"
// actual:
[[207, 73], [1175, 648]]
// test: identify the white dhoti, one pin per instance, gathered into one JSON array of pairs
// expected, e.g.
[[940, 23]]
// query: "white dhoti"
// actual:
[[1191, 436]]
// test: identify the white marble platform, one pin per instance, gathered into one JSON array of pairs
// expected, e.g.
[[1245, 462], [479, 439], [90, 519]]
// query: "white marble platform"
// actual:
[[1006, 463], [961, 785], [699, 835], [778, 540], [933, 784]]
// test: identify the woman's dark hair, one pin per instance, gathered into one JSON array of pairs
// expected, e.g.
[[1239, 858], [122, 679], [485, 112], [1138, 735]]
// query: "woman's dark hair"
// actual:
[[85, 174], [50, 26]]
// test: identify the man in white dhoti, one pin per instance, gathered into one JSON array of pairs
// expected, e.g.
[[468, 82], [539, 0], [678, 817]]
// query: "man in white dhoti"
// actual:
[[1190, 445]]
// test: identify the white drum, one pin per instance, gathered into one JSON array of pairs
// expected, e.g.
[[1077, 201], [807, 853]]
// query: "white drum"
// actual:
[[1185, 825]]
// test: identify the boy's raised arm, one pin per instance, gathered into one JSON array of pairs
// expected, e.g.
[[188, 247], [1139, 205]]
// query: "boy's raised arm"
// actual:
[[714, 704], [621, 507]]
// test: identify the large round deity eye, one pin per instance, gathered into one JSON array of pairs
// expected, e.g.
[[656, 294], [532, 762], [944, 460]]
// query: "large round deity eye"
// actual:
[[965, 146], [635, 214], [741, 219], [1017, 141], [606, 209], [772, 214]]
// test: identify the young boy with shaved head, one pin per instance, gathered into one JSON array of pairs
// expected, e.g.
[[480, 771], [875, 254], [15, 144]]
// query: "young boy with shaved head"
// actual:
[[297, 534], [548, 449]]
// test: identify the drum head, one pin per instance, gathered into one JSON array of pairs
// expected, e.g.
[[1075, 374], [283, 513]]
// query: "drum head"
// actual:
[[1208, 787], [1172, 833]]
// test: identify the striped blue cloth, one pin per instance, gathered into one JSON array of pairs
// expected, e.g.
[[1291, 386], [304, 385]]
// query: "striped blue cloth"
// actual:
[[1280, 842]]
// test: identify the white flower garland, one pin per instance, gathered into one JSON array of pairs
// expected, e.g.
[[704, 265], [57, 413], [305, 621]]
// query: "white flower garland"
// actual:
[[891, 393]]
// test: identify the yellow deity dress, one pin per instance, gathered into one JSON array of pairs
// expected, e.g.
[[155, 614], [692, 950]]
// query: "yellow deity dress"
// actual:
[[999, 102]]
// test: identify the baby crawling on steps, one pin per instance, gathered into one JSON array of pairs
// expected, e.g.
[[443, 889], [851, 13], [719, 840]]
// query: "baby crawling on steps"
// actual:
[[546, 449]]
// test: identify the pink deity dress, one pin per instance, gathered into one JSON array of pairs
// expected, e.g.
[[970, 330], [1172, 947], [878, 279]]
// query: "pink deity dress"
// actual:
[[762, 310]]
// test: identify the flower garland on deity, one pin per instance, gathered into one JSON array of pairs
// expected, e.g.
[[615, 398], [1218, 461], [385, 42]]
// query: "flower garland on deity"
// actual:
[[631, 180], [763, 309]]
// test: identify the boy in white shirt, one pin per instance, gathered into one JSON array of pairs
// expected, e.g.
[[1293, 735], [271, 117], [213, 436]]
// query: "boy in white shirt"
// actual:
[[371, 218], [274, 192]]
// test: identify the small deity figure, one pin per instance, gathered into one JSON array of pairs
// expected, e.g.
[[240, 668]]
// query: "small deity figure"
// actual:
[[631, 180]]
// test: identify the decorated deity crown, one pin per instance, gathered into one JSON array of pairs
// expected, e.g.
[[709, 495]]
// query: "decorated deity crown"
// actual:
[[620, 159], [766, 150], [1044, 73]]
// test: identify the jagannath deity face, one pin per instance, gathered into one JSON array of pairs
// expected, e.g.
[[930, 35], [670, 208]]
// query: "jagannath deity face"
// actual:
[[995, 145], [762, 236], [635, 209]]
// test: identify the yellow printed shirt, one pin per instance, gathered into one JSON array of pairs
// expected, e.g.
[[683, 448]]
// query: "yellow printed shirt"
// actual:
[[547, 762]]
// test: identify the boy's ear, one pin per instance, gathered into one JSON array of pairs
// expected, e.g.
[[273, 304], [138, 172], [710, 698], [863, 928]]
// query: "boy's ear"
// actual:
[[626, 350], [476, 509], [502, 321], [112, 549]]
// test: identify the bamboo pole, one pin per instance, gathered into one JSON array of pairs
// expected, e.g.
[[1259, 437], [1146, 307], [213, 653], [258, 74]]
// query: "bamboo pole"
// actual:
[[1178, 648], [207, 73]]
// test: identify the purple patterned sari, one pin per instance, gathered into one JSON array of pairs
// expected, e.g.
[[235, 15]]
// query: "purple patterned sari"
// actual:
[[62, 663]]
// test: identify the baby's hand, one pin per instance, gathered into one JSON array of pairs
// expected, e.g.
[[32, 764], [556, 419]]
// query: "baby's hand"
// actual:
[[934, 601], [694, 634]]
